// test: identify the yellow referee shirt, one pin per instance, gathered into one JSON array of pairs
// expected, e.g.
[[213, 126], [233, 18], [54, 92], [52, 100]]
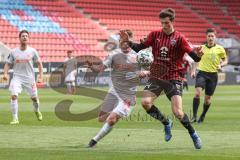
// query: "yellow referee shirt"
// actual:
[[211, 58]]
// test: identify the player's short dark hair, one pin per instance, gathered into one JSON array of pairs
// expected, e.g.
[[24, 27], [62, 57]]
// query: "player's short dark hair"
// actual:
[[168, 12], [129, 32], [210, 30], [23, 31], [69, 51]]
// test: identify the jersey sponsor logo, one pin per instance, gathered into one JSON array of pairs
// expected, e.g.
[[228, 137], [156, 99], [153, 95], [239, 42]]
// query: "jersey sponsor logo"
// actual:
[[120, 66], [22, 60], [164, 53]]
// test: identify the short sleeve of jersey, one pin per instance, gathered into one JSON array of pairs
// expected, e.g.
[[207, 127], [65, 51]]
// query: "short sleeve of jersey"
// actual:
[[186, 46], [223, 53], [108, 61], [10, 58], [36, 57], [148, 41]]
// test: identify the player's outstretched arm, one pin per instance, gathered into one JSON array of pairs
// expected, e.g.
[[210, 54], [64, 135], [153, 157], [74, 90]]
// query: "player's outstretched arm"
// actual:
[[96, 68], [135, 46], [5, 72], [40, 69], [196, 54]]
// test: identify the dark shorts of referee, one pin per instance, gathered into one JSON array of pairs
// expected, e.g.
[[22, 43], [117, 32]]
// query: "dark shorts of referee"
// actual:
[[170, 87], [207, 81]]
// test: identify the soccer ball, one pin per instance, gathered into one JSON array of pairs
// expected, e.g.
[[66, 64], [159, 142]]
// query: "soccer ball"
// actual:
[[145, 58]]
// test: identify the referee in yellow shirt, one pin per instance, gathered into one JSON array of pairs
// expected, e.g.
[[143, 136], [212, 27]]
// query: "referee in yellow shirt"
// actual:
[[213, 59]]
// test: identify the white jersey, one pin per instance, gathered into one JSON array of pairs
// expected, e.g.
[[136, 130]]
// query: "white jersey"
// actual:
[[70, 64], [22, 62], [124, 68]]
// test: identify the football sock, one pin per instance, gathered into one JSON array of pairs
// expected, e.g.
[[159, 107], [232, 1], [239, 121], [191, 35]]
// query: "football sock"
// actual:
[[14, 108], [69, 88], [36, 105], [103, 132], [205, 109], [155, 113], [186, 123], [196, 102]]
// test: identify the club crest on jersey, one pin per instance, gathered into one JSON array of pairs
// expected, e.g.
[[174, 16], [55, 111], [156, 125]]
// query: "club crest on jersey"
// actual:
[[173, 42]]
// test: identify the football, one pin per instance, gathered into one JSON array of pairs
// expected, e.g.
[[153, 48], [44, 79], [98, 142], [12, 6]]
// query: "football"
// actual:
[[145, 58]]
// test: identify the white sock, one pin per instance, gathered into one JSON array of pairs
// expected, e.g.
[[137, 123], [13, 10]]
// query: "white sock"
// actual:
[[14, 108], [36, 106], [103, 132], [69, 88]]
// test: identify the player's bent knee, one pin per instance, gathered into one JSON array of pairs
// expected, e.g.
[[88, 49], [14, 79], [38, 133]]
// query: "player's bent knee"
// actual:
[[207, 100], [102, 116], [34, 99], [178, 114], [101, 119], [112, 120], [197, 94], [13, 97], [147, 103]]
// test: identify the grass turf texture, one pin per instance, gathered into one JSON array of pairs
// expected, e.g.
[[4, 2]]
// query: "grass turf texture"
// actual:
[[138, 137]]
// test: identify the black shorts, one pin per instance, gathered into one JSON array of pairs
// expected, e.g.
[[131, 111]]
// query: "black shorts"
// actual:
[[170, 87], [207, 81]]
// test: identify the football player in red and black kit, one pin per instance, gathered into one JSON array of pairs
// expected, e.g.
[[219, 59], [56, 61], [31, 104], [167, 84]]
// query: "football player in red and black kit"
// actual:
[[168, 48]]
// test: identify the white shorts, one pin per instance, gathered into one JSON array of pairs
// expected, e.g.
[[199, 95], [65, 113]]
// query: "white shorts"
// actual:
[[70, 83], [119, 104], [17, 84], [70, 77]]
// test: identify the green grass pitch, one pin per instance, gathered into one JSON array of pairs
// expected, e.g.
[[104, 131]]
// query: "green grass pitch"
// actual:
[[138, 137]]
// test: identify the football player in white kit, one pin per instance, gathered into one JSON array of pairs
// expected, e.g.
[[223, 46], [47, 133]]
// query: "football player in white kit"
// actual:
[[70, 71], [22, 60], [121, 97]]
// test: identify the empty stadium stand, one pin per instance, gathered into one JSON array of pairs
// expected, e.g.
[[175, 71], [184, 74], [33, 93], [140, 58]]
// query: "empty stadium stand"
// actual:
[[142, 16], [223, 13], [55, 27], [58, 25]]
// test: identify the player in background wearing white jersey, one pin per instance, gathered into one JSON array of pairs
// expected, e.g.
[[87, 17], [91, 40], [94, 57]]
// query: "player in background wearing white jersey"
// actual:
[[121, 96], [70, 71], [22, 60]]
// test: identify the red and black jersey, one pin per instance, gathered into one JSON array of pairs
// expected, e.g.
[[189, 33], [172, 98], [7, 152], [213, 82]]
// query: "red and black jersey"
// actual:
[[168, 51]]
